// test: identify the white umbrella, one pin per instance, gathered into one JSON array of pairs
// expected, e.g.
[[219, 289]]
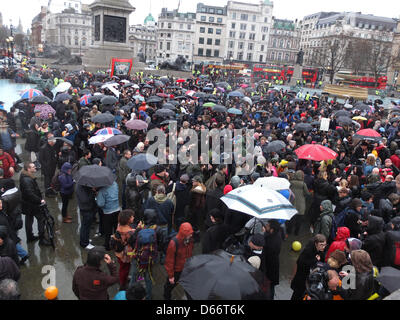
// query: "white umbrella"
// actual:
[[259, 202], [100, 138], [248, 100], [62, 87], [272, 183], [112, 87]]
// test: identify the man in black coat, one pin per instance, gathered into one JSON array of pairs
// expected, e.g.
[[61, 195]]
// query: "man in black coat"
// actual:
[[85, 197], [391, 251], [215, 235], [213, 199], [48, 161], [182, 193], [374, 241], [270, 253], [31, 201]]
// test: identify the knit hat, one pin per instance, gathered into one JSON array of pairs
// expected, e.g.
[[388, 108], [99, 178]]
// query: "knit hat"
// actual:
[[228, 188], [255, 261], [355, 203]]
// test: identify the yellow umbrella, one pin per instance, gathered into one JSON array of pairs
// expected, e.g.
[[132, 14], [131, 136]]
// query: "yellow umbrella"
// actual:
[[359, 118]]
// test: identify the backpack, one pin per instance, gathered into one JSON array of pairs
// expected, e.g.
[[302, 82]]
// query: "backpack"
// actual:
[[165, 244], [334, 228], [55, 182], [145, 251], [340, 218]]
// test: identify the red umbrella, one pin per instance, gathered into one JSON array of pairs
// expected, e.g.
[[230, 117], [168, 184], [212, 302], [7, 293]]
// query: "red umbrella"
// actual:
[[315, 152], [162, 95], [180, 80], [367, 134]]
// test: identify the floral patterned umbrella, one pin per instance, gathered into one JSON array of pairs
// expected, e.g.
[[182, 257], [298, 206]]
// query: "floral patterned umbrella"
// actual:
[[45, 109]]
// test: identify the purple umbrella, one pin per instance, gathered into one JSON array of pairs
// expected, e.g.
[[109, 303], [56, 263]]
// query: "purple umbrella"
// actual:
[[45, 109]]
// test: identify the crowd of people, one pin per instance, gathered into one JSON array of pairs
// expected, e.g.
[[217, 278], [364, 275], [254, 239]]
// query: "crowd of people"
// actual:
[[350, 204]]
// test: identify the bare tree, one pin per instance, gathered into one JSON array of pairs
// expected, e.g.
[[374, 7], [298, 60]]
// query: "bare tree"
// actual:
[[357, 55]]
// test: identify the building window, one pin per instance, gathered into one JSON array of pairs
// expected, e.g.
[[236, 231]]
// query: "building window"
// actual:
[[189, 27], [281, 44], [76, 41], [252, 36], [219, 11], [243, 26], [181, 26], [216, 53], [210, 30], [274, 44], [202, 30], [272, 55], [253, 27], [201, 40], [241, 44], [265, 20], [288, 44], [286, 57], [242, 35], [234, 15], [162, 24], [232, 34], [261, 58], [240, 56], [208, 53], [263, 37], [262, 47], [200, 52], [211, 19], [161, 45], [203, 18], [218, 31], [231, 44], [209, 41], [249, 57], [251, 46], [168, 46], [254, 18], [169, 25], [244, 17], [217, 42], [279, 56], [233, 26], [211, 10], [219, 20]]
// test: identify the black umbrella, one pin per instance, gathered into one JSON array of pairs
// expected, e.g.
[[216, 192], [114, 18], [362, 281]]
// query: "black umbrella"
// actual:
[[345, 121], [394, 119], [199, 95], [173, 102], [378, 101], [116, 140], [126, 85], [396, 113], [65, 140], [303, 127], [96, 97], [183, 98], [165, 113], [297, 100], [96, 83], [158, 83], [169, 106], [224, 85], [342, 113], [218, 108], [165, 122], [222, 276], [141, 162], [315, 123], [109, 100], [174, 87], [94, 176], [208, 89], [63, 97], [272, 120], [146, 86], [127, 108], [255, 98], [154, 99], [165, 80], [389, 277], [85, 91], [40, 100], [275, 146], [103, 118]]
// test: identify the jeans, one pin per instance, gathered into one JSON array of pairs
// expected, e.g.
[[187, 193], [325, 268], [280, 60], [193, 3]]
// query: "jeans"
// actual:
[[21, 251], [110, 224], [134, 275], [86, 222]]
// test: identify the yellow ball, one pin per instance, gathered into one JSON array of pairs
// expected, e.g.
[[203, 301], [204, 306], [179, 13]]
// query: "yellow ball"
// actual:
[[296, 246], [51, 293]]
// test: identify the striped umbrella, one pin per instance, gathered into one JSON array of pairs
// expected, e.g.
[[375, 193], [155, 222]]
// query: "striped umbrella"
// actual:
[[30, 93], [107, 131], [85, 100]]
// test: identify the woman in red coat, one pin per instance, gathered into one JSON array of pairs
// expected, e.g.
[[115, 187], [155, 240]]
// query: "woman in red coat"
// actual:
[[340, 241]]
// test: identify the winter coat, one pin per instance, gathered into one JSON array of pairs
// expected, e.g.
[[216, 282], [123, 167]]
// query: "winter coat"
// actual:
[[85, 198], [300, 190], [342, 204], [374, 243], [386, 209], [7, 249], [9, 269], [112, 159], [67, 155], [30, 193], [66, 180], [351, 222], [164, 208], [324, 223], [175, 261], [90, 283], [213, 201], [323, 190], [391, 252], [6, 162], [340, 241], [107, 199], [123, 170], [32, 143], [48, 160], [215, 237], [155, 181], [270, 256], [381, 190], [364, 286], [12, 206], [182, 193]]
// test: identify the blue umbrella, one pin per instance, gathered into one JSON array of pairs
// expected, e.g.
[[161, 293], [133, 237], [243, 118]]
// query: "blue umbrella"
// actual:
[[236, 94], [234, 111], [141, 162]]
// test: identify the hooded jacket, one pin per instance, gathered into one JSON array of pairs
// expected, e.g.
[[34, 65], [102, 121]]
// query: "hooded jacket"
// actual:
[[9, 269], [163, 206], [107, 199], [374, 243], [324, 222], [340, 241], [300, 190], [185, 250], [7, 249], [65, 179]]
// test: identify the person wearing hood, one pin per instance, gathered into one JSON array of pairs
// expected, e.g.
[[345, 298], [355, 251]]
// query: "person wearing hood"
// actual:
[[48, 161], [66, 189], [324, 223], [7, 245], [363, 266], [176, 257], [163, 206], [353, 218], [387, 207], [391, 252], [301, 194], [135, 184], [112, 159], [342, 234], [374, 240], [197, 203], [123, 170], [66, 154], [313, 253], [215, 236]]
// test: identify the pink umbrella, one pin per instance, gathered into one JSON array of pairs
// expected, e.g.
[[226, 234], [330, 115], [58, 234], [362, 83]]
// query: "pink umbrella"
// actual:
[[315, 152], [244, 86]]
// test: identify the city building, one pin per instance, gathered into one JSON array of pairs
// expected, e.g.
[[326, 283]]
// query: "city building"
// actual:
[[58, 6], [70, 29], [284, 42], [248, 29], [394, 70], [1, 19], [175, 36], [210, 34], [143, 39], [36, 29]]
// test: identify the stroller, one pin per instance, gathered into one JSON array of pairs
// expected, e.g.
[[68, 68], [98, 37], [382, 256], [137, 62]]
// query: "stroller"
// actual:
[[49, 231]]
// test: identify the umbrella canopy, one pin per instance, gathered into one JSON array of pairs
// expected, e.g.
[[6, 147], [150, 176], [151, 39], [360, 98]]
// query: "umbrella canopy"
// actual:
[[100, 138], [273, 183], [97, 97], [165, 113], [65, 140], [95, 176], [234, 94], [45, 109], [136, 124], [315, 152], [389, 277], [162, 95], [107, 131], [62, 87], [209, 104], [395, 119], [367, 134], [180, 80], [96, 83], [248, 100], [62, 97], [85, 91], [165, 122], [359, 118], [222, 276], [30, 93], [199, 94], [273, 120], [116, 140], [362, 107], [218, 108], [108, 100], [342, 113], [169, 106], [260, 203], [140, 98], [234, 111], [303, 127], [40, 99], [345, 121], [85, 100], [141, 162], [103, 118], [154, 99], [275, 146], [224, 85]]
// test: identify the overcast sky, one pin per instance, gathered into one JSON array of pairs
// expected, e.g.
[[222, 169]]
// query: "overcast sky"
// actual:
[[283, 9]]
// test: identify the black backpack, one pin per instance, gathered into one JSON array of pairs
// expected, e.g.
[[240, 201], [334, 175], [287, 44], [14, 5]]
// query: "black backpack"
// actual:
[[55, 182]]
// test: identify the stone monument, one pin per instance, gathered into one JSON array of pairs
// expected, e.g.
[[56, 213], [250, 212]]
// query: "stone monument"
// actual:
[[111, 34], [298, 69]]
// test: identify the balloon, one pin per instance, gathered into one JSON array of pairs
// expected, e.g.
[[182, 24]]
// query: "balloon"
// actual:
[[51, 293], [296, 246]]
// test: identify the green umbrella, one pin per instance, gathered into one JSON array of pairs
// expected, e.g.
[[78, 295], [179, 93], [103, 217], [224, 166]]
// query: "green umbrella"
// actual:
[[209, 104]]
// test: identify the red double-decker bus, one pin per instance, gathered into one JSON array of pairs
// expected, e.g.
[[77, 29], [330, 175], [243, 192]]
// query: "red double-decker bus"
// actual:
[[362, 82], [311, 75], [263, 71]]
